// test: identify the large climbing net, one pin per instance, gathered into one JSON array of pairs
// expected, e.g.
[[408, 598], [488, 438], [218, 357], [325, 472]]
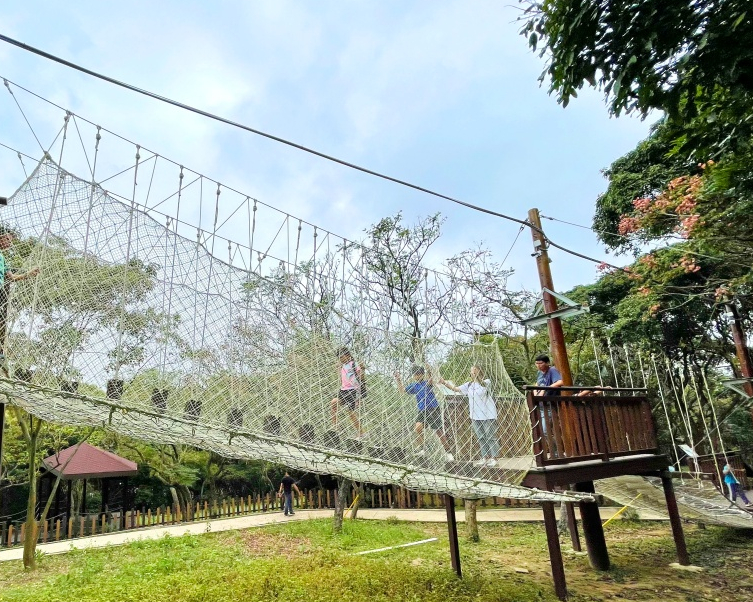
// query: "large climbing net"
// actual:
[[293, 346]]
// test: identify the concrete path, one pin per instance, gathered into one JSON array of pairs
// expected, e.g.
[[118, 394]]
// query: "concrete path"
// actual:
[[269, 518]]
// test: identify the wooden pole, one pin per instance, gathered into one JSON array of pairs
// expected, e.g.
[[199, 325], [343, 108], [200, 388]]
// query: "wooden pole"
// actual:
[[555, 552], [572, 525], [452, 528], [674, 521], [554, 325], [593, 532]]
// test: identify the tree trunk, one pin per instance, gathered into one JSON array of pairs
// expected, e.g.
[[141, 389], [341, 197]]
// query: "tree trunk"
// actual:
[[471, 524], [340, 502], [357, 501], [31, 529]]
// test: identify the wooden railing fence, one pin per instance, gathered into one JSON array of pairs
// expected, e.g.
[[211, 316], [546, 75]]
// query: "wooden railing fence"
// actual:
[[61, 528]]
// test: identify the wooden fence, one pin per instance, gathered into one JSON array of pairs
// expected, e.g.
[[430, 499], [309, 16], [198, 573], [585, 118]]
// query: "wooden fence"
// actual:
[[61, 528]]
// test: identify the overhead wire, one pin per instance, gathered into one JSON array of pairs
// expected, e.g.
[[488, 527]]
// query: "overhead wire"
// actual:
[[292, 144]]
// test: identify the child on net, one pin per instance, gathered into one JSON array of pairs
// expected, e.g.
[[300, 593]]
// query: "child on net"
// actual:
[[351, 385], [429, 412], [483, 411]]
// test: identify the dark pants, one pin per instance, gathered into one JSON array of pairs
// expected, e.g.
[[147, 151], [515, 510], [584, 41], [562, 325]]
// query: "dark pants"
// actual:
[[734, 490], [288, 503]]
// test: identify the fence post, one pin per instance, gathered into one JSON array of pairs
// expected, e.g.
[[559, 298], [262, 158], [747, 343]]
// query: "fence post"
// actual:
[[57, 530]]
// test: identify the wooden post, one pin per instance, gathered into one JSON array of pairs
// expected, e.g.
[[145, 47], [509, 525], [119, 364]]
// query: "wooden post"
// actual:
[[452, 528], [554, 325], [674, 521], [57, 530], [10, 535], [555, 552], [45, 529], [593, 532], [381, 503], [572, 525]]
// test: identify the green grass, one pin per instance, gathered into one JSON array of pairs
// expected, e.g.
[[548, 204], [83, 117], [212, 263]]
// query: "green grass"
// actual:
[[305, 561]]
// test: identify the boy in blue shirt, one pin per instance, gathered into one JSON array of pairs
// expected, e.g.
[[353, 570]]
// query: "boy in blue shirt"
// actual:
[[429, 412]]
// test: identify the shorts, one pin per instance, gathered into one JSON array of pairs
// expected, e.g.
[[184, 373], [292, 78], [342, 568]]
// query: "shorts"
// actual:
[[348, 398], [431, 417]]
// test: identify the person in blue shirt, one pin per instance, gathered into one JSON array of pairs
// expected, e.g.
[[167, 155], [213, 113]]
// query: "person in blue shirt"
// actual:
[[734, 485], [429, 412], [548, 376]]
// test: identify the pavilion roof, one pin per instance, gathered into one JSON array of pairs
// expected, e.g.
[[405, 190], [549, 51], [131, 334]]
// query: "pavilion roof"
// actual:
[[84, 461]]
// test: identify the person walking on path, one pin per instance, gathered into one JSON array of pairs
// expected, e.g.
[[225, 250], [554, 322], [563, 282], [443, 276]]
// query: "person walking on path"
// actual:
[[286, 492]]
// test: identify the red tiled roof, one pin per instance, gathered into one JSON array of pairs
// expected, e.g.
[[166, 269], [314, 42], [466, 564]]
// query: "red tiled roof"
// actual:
[[84, 461]]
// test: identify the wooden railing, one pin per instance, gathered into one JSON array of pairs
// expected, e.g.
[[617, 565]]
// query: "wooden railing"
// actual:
[[589, 423], [62, 528]]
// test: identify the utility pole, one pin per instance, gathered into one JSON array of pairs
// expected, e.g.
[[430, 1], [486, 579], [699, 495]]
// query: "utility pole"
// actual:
[[593, 530], [741, 348], [556, 336]]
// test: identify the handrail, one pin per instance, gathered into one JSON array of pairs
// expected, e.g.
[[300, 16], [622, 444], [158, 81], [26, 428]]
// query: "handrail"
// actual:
[[602, 389], [568, 428]]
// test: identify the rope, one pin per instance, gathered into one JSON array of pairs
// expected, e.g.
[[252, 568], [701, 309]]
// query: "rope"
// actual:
[[596, 357]]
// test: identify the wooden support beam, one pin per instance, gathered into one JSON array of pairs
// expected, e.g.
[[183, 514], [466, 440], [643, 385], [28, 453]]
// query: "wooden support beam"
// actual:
[[572, 525], [555, 552], [593, 532], [452, 528], [674, 520]]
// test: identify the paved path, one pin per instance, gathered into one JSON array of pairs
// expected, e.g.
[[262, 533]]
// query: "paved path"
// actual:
[[269, 518]]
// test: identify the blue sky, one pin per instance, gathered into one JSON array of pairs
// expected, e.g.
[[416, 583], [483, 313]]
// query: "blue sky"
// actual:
[[445, 95]]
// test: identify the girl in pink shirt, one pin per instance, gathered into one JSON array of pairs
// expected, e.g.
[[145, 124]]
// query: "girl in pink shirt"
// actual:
[[351, 381]]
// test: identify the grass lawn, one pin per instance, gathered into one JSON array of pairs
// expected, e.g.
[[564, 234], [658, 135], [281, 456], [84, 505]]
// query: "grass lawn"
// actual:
[[304, 561]]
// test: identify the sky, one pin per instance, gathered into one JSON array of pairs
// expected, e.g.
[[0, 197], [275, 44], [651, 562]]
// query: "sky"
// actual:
[[442, 94]]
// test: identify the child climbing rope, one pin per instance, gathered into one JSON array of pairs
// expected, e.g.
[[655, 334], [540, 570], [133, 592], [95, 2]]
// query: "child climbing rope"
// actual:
[[429, 412], [483, 411], [351, 390]]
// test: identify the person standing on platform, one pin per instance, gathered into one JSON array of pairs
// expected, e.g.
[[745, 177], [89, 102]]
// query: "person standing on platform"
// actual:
[[483, 411], [548, 376]]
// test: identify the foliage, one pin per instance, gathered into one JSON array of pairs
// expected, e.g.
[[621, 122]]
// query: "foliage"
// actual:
[[646, 54], [305, 561]]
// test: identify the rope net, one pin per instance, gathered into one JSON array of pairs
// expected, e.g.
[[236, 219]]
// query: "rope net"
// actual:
[[307, 361]]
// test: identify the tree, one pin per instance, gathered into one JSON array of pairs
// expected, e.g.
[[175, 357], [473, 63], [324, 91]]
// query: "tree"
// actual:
[[671, 55], [74, 299]]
